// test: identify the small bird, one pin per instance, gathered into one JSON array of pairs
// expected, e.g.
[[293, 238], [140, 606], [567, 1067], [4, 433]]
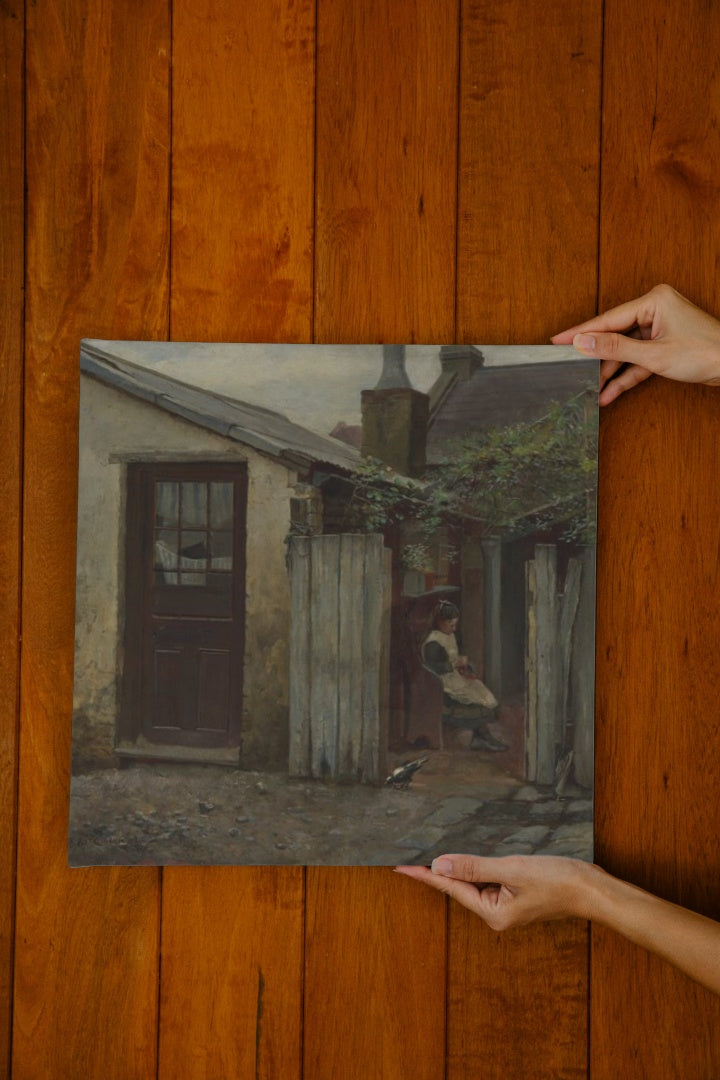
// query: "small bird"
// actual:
[[403, 774]]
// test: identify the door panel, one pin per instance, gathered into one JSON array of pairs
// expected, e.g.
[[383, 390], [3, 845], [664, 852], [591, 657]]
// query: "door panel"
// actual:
[[213, 689], [167, 678]]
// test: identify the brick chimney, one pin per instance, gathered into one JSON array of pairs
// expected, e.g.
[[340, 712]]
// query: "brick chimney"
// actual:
[[395, 417]]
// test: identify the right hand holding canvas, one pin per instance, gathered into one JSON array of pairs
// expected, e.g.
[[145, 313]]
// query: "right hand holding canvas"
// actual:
[[512, 890], [515, 890], [660, 333]]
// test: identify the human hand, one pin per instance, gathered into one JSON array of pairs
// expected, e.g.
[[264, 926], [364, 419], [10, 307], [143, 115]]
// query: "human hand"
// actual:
[[660, 333], [519, 889], [513, 890]]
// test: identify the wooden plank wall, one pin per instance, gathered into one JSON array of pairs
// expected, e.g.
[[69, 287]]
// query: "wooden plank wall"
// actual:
[[338, 727], [384, 170]]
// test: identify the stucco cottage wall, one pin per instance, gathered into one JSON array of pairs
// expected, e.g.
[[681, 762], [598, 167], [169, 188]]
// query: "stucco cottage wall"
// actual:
[[112, 425]]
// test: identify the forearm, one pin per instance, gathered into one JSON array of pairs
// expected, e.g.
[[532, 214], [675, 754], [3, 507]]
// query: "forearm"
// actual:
[[685, 939]]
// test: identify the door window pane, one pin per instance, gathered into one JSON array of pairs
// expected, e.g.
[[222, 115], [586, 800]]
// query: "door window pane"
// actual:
[[221, 550], [165, 556], [194, 505], [166, 503], [221, 506]]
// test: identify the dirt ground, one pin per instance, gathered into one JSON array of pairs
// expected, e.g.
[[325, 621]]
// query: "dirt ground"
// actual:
[[189, 814]]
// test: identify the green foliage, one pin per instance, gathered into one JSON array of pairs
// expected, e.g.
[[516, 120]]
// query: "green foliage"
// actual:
[[529, 477]]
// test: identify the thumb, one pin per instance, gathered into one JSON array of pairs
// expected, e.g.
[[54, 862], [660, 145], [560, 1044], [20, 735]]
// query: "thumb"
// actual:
[[470, 868], [620, 349]]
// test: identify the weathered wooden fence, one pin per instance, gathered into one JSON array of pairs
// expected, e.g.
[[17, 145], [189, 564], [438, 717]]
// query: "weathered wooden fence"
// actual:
[[339, 649], [559, 666]]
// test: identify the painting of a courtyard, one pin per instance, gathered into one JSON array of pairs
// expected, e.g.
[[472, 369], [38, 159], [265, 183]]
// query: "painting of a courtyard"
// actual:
[[335, 604]]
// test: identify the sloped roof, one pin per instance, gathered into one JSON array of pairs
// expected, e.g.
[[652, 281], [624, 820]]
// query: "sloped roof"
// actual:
[[264, 430], [495, 397]]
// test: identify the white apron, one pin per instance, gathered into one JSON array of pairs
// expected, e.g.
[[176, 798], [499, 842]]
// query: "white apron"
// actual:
[[459, 687]]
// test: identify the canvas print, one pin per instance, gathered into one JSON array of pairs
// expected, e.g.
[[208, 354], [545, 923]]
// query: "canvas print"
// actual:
[[335, 604]]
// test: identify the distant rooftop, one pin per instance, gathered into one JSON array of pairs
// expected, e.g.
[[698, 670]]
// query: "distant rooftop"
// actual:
[[495, 397]]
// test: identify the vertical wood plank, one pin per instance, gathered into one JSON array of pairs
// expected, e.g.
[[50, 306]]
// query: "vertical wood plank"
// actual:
[[568, 603], [243, 85], [350, 676], [219, 963], [531, 673], [12, 21], [97, 179], [386, 171], [660, 151], [581, 661], [300, 713], [371, 658], [375, 976], [534, 1006], [529, 158], [657, 787], [546, 640], [243, 106], [385, 256], [492, 582], [385, 649], [527, 250], [324, 668], [657, 745]]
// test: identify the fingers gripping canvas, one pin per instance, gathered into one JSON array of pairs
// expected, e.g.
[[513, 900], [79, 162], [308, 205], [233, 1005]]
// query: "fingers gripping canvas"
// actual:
[[335, 604]]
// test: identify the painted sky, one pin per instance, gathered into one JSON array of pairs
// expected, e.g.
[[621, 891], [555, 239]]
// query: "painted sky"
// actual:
[[314, 385]]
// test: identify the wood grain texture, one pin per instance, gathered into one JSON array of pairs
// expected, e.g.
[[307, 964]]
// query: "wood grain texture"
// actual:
[[661, 146], [97, 178], [529, 159], [384, 266], [516, 1001], [527, 254], [384, 269], [386, 171], [375, 976], [231, 973], [12, 241], [658, 789], [243, 85], [657, 792], [243, 120]]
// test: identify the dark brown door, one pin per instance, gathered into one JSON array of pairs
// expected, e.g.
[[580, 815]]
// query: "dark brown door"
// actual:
[[185, 595]]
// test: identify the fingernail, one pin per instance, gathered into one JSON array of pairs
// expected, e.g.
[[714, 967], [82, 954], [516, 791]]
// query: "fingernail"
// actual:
[[584, 341], [441, 866]]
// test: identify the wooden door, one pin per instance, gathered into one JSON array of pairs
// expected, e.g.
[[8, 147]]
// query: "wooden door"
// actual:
[[185, 604]]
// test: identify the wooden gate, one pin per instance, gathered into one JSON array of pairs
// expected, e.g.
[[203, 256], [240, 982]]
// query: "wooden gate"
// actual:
[[559, 666], [339, 649]]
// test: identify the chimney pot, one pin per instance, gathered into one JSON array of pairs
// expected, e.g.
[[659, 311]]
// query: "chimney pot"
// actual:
[[461, 360], [393, 371]]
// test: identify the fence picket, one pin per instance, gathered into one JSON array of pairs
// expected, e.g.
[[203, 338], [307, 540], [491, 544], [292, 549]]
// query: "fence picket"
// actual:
[[568, 602], [299, 741], [546, 630], [324, 654], [349, 647]]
